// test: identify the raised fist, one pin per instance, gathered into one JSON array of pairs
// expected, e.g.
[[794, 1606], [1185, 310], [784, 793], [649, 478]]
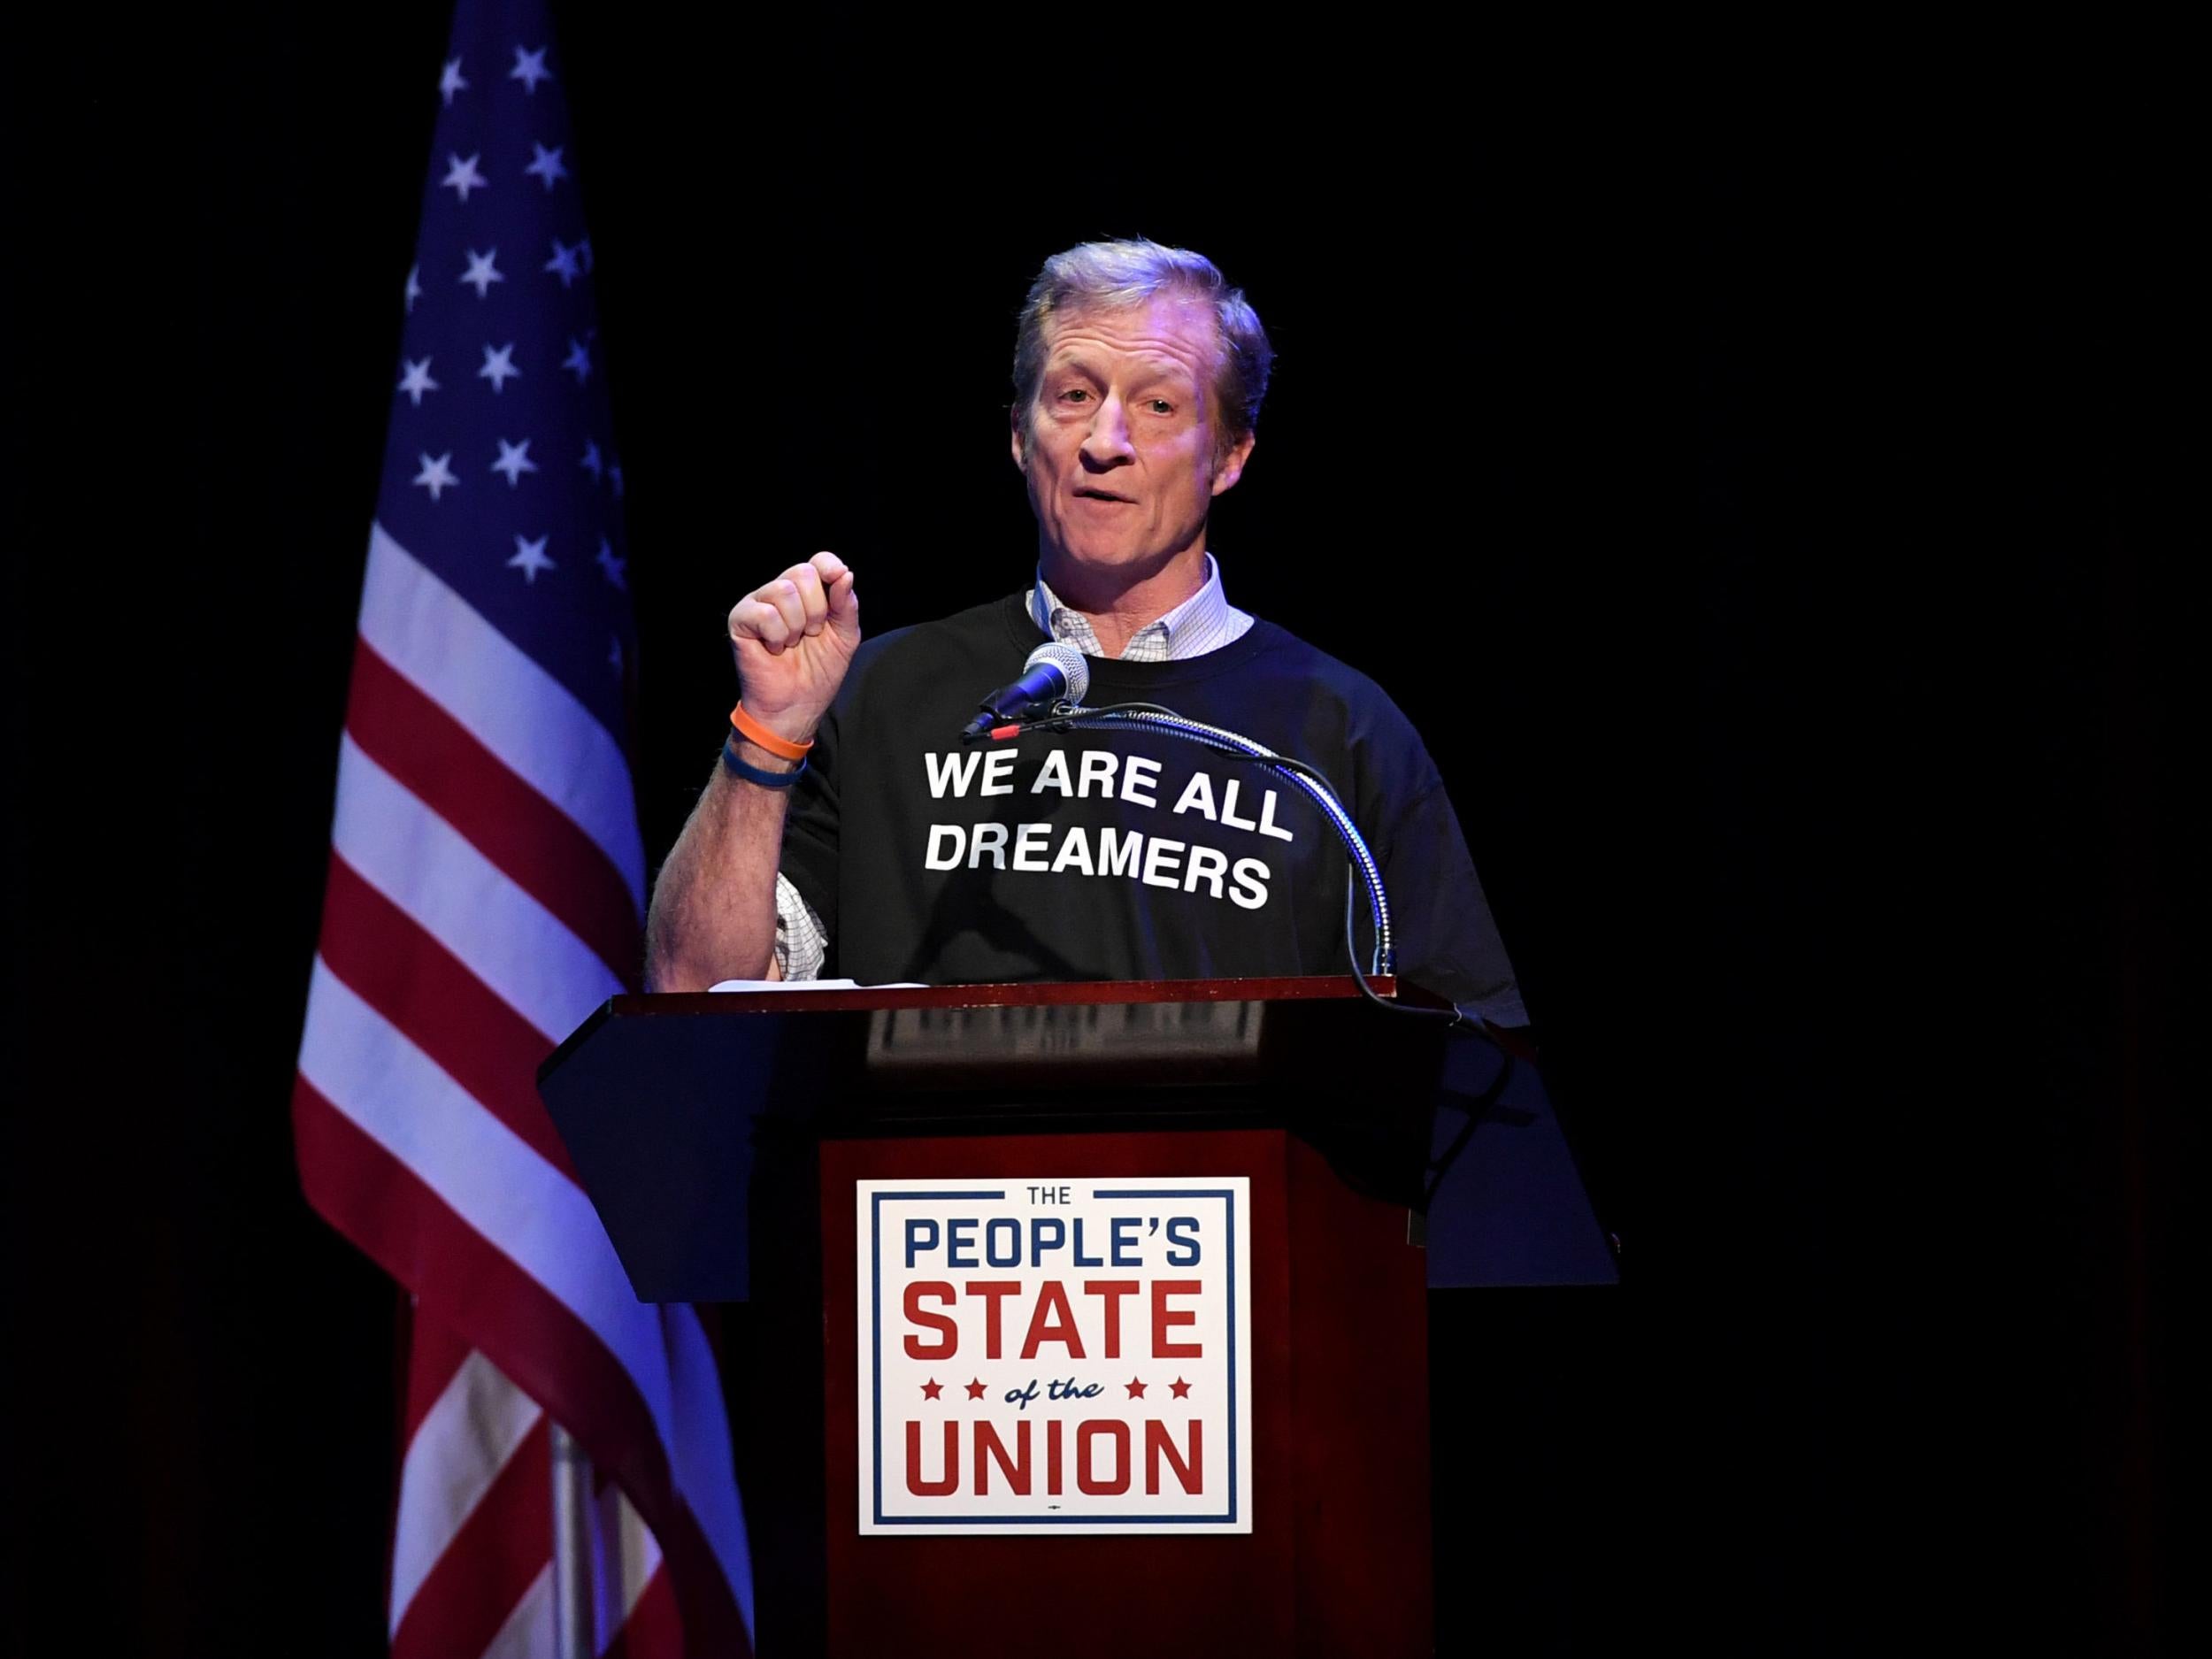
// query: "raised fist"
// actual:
[[793, 637]]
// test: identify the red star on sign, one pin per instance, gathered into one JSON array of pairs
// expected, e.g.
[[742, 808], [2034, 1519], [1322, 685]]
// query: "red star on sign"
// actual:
[[1136, 1389], [975, 1390], [1180, 1388], [931, 1389]]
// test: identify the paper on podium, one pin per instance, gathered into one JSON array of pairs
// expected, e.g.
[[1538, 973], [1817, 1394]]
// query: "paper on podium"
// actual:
[[814, 985]]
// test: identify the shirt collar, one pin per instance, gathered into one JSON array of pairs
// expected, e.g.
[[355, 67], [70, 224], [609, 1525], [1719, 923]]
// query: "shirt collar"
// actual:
[[1198, 625]]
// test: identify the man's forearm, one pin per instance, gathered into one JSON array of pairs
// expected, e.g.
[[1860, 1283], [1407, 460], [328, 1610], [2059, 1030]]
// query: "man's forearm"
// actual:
[[713, 914]]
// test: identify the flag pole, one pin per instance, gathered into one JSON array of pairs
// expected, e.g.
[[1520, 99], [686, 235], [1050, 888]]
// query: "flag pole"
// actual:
[[573, 1633]]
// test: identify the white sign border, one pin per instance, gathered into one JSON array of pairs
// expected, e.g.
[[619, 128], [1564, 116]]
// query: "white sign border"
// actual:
[[868, 1198]]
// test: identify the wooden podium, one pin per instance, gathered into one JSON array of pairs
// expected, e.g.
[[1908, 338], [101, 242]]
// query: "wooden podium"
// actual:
[[1268, 1496]]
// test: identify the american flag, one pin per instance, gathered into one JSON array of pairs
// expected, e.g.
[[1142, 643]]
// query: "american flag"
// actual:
[[486, 890]]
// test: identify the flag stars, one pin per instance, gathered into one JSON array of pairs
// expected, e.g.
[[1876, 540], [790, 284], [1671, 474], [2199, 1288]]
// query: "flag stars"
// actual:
[[461, 176], [591, 463], [530, 69], [499, 366], [547, 164], [483, 271], [438, 474], [614, 567], [416, 380], [450, 81], [932, 1389], [566, 263], [975, 1389], [530, 558], [414, 287], [1179, 1389], [578, 360], [1135, 1387], [514, 461]]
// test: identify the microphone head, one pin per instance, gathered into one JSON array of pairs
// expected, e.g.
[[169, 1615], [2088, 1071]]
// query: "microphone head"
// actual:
[[1074, 668]]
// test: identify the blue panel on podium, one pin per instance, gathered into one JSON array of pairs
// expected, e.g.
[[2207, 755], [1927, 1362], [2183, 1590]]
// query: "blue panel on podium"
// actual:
[[1510, 1207]]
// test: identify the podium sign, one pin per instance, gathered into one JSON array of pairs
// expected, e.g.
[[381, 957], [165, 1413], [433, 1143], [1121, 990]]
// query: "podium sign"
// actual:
[[1054, 1354], [1137, 1251]]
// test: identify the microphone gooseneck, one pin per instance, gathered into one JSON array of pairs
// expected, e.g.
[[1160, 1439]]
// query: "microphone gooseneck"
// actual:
[[1305, 779], [1366, 872]]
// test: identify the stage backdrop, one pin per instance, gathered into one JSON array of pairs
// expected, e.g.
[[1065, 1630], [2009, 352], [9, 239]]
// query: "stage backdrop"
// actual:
[[1760, 530]]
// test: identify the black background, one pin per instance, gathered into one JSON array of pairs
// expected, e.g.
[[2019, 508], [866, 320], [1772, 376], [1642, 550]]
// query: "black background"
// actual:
[[1761, 518]]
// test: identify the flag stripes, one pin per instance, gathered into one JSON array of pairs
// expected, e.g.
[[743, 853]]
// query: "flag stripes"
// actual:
[[487, 1586], [441, 760], [486, 892], [646, 1619], [488, 1557], [434, 1357], [628, 1560], [476, 909], [535, 726], [422, 988], [463, 1281], [442, 982], [464, 1446], [654, 1630]]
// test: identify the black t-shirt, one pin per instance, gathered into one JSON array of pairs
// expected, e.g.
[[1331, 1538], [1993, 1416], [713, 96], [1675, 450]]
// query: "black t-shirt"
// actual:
[[1116, 853]]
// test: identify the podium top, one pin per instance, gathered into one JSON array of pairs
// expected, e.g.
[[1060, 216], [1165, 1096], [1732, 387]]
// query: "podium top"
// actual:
[[1055, 1001], [663, 1102], [1022, 994]]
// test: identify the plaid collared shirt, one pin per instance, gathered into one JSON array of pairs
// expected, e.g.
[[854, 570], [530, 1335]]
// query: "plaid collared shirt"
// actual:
[[1204, 622]]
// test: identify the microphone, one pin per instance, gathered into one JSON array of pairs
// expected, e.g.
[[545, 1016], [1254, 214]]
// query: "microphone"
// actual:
[[1053, 672]]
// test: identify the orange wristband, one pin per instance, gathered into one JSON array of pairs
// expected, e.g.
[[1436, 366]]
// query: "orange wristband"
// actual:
[[753, 731]]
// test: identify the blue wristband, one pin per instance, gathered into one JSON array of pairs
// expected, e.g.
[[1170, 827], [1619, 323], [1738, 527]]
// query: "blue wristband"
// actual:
[[754, 774]]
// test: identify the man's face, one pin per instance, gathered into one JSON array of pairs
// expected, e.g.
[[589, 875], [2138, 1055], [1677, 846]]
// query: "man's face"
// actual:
[[1122, 449]]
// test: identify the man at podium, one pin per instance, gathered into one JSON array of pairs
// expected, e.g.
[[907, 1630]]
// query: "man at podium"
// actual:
[[849, 829]]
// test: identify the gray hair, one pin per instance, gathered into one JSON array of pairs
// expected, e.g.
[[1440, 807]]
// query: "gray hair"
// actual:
[[1116, 274]]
